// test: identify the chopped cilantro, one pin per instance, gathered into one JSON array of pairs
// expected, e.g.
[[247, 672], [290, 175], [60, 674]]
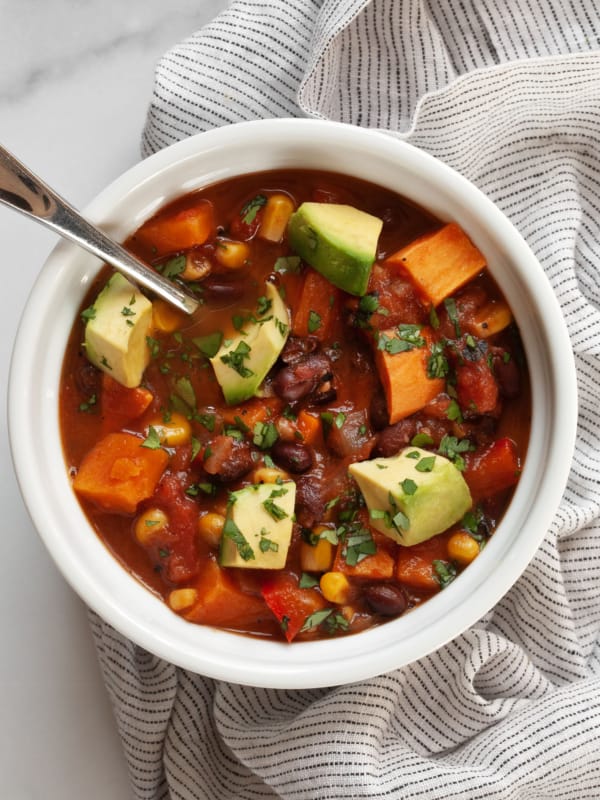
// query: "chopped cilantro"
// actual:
[[152, 441], [173, 267], [265, 435], [88, 313], [307, 581], [251, 209], [453, 412], [263, 306], [445, 572], [153, 346], [336, 622], [315, 619], [314, 321], [421, 439], [232, 532], [339, 420], [208, 420], [450, 305], [451, 447], [437, 363], [235, 359], [425, 464], [265, 544], [88, 406], [409, 487]]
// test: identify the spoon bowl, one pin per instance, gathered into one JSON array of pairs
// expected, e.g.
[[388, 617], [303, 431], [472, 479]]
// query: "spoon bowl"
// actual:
[[23, 191]]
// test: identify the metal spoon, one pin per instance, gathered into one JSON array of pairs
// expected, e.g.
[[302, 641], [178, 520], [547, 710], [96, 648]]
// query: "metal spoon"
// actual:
[[25, 192]]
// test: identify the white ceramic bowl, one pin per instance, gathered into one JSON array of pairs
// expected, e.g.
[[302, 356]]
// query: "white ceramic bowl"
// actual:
[[33, 406]]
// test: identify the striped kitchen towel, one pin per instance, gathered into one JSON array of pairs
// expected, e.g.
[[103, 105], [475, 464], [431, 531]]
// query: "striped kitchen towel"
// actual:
[[508, 93]]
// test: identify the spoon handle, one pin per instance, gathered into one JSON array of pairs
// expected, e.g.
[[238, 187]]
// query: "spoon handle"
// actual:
[[23, 191]]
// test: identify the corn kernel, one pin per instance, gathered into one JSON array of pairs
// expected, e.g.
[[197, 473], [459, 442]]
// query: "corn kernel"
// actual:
[[335, 587], [180, 599], [149, 525], [165, 318], [230, 254], [210, 528], [269, 475], [316, 558], [276, 215], [174, 432], [462, 548]]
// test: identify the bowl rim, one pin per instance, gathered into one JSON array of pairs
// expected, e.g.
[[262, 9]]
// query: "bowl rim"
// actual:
[[233, 657]]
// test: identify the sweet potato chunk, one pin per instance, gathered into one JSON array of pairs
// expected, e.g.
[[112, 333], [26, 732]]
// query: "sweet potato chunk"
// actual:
[[404, 377], [118, 473], [440, 262], [180, 231], [221, 602]]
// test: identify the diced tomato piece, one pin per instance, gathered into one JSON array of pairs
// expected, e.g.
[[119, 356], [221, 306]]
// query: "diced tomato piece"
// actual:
[[476, 387], [496, 468], [181, 564], [120, 405], [221, 602], [290, 604]]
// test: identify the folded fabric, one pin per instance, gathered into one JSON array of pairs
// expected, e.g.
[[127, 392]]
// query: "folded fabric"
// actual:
[[508, 93]]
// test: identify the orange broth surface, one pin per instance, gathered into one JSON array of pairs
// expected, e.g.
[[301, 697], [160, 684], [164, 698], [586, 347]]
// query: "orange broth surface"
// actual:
[[312, 437]]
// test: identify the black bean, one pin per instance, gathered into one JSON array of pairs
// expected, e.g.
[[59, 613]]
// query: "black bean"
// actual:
[[302, 377], [297, 347], [87, 379], [378, 413], [292, 456], [310, 504], [228, 459], [393, 438], [385, 599], [222, 290]]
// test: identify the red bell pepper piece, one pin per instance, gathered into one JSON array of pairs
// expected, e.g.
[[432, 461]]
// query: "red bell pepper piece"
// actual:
[[290, 604]]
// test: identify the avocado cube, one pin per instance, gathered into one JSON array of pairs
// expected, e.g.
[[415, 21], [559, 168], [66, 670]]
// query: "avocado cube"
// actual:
[[413, 495], [118, 323], [242, 363], [339, 241], [258, 526]]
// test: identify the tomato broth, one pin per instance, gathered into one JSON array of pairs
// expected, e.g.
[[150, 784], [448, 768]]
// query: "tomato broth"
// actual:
[[358, 379]]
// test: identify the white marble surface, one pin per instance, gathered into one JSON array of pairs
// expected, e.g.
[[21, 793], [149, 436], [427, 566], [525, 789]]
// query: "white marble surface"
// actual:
[[75, 81]]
